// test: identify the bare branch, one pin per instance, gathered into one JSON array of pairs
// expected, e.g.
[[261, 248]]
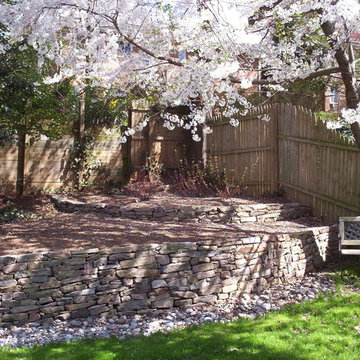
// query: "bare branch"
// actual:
[[143, 21], [145, 50], [311, 76], [259, 15]]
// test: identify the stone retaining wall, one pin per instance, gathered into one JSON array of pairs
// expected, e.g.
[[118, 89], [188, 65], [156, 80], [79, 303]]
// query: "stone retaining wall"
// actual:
[[240, 213], [77, 284]]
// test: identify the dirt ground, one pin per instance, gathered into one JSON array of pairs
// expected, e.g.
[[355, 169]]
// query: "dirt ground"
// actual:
[[54, 230]]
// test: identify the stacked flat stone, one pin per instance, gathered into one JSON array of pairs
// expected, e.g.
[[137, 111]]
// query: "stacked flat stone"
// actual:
[[239, 214], [247, 306], [140, 278]]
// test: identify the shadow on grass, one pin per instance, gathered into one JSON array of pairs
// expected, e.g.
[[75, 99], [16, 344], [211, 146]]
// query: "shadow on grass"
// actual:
[[350, 275], [323, 329]]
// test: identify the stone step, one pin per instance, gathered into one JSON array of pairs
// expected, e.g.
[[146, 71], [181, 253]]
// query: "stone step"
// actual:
[[240, 213]]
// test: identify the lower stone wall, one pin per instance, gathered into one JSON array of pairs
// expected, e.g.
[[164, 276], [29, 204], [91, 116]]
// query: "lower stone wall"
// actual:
[[103, 282], [239, 213]]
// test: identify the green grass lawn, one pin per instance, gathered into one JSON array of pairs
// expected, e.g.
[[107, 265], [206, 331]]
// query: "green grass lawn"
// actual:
[[327, 328]]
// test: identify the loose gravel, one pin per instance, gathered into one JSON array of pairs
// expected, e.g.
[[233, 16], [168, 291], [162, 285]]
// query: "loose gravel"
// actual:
[[247, 306]]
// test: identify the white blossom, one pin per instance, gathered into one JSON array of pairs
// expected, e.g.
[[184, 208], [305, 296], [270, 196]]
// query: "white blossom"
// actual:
[[129, 132], [333, 125], [351, 116], [134, 44], [348, 117], [54, 79], [265, 117], [208, 130], [246, 83], [234, 122], [169, 125]]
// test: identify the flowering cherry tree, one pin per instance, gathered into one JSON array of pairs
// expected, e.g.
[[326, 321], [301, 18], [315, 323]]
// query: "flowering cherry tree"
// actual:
[[193, 53]]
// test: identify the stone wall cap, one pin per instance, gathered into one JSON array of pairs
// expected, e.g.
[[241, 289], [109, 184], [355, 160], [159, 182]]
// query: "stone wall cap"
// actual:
[[85, 251]]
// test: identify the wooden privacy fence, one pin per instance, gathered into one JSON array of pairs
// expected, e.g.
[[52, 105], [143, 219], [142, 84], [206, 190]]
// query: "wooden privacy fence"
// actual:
[[48, 163], [163, 146], [293, 151]]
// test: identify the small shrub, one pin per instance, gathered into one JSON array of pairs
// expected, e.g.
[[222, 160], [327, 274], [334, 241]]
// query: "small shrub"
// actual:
[[144, 189], [147, 181], [10, 213], [281, 192], [197, 179]]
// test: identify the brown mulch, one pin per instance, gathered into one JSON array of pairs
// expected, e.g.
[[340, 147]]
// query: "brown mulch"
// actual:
[[169, 199], [80, 231], [55, 230]]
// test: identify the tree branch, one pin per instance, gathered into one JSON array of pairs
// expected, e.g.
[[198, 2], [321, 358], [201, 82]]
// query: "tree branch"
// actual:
[[114, 22], [259, 15], [345, 66], [311, 76], [145, 50]]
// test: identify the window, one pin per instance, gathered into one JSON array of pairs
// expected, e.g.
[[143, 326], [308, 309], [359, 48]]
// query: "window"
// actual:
[[334, 98]]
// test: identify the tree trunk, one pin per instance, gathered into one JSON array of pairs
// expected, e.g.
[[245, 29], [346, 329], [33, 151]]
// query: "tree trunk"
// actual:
[[196, 149], [20, 171], [20, 163], [204, 147], [78, 130], [348, 74]]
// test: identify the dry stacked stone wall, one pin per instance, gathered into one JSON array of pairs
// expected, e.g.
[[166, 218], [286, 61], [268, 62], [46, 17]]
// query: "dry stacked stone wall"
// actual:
[[103, 282], [239, 213]]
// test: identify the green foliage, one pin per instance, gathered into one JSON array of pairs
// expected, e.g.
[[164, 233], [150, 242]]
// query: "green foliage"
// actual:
[[10, 213], [104, 109], [27, 104], [153, 167], [327, 328], [333, 116], [287, 32], [311, 92], [6, 135], [327, 115], [83, 160]]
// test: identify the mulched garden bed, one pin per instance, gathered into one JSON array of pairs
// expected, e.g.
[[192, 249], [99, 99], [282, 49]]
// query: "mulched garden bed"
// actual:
[[59, 231], [168, 199]]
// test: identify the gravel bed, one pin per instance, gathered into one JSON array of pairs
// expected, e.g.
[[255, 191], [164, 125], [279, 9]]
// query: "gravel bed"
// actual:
[[247, 306]]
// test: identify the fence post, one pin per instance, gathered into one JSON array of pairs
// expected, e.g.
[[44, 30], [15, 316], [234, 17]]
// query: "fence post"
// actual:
[[274, 147]]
